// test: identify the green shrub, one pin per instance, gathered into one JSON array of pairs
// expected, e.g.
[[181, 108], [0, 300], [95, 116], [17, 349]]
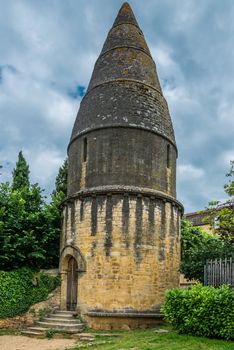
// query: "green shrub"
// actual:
[[49, 333], [43, 313], [22, 288], [202, 311]]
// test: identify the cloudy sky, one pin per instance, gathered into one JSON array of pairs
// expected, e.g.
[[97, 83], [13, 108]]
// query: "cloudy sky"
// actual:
[[47, 53]]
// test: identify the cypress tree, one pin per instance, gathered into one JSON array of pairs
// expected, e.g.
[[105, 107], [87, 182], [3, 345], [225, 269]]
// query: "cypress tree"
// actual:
[[61, 179], [20, 174]]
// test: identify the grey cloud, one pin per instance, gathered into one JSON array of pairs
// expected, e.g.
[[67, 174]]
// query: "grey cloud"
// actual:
[[53, 45]]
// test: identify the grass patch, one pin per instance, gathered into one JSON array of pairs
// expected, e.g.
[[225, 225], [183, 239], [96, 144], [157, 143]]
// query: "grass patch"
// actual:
[[9, 331], [150, 340]]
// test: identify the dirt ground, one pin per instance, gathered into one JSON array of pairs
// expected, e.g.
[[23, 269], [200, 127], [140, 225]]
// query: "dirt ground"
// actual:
[[18, 342]]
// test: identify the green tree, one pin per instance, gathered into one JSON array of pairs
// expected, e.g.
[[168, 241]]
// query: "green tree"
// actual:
[[61, 179], [52, 216], [21, 223], [197, 246], [221, 217], [229, 187], [53, 212], [29, 227], [20, 173]]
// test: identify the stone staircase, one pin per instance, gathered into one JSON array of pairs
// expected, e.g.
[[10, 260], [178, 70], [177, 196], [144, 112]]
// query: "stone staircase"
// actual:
[[56, 322]]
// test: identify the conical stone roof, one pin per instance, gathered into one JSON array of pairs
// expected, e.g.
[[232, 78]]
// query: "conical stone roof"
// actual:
[[125, 15], [124, 90]]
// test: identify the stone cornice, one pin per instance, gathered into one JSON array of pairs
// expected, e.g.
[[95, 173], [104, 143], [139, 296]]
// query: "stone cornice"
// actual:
[[128, 314], [125, 190]]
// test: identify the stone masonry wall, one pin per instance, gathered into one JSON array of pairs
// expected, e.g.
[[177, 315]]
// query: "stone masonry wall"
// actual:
[[122, 156], [131, 248]]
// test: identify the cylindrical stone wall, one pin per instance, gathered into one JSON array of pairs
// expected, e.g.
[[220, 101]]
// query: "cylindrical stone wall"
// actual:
[[122, 156], [130, 245]]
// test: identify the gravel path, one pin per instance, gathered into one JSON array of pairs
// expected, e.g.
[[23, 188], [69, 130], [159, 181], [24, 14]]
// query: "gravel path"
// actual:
[[18, 342]]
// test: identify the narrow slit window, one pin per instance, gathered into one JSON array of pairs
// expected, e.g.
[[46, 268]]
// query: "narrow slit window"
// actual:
[[85, 150], [168, 156]]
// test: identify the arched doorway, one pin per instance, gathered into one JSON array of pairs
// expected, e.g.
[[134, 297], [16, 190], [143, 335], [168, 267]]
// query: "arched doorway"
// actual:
[[72, 284]]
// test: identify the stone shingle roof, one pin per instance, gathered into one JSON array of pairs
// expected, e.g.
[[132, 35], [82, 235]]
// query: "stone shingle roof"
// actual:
[[124, 90]]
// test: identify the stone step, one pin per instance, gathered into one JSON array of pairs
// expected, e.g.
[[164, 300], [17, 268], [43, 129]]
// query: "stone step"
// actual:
[[37, 329], [58, 321], [31, 333], [54, 319], [64, 312], [63, 317], [61, 326]]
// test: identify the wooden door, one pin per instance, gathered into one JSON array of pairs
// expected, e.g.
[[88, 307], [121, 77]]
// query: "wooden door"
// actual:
[[72, 284]]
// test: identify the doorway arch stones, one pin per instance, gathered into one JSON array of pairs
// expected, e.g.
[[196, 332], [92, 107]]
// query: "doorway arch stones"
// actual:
[[66, 253]]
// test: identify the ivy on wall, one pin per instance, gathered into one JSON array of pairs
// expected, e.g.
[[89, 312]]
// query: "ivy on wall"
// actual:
[[22, 288]]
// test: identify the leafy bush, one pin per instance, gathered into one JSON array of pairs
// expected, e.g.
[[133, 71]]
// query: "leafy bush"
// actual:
[[221, 215], [22, 288], [201, 311], [49, 333], [197, 246], [29, 227]]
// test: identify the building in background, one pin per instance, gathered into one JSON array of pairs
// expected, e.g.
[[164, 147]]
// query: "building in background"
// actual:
[[198, 219]]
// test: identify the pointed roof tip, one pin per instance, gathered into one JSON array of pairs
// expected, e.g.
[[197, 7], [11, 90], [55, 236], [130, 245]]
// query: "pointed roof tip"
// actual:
[[125, 32], [125, 7], [125, 16]]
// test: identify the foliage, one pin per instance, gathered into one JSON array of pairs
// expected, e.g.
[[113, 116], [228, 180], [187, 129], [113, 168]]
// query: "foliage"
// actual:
[[202, 311], [19, 214], [22, 288], [52, 228], [197, 246], [229, 187], [20, 173], [61, 179], [49, 333], [9, 331], [42, 313], [29, 227], [221, 216]]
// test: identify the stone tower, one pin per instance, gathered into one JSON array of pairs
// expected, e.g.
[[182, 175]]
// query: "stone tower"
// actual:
[[120, 246]]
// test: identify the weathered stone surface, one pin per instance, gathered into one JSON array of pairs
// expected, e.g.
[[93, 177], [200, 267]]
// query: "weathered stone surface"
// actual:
[[130, 64], [125, 15], [124, 103], [124, 89], [121, 218], [129, 273], [161, 331], [129, 157]]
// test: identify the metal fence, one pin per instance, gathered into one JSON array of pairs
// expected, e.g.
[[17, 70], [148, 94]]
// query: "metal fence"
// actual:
[[218, 272]]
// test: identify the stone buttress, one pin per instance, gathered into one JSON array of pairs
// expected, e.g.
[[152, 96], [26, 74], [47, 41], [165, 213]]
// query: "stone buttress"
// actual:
[[120, 245]]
